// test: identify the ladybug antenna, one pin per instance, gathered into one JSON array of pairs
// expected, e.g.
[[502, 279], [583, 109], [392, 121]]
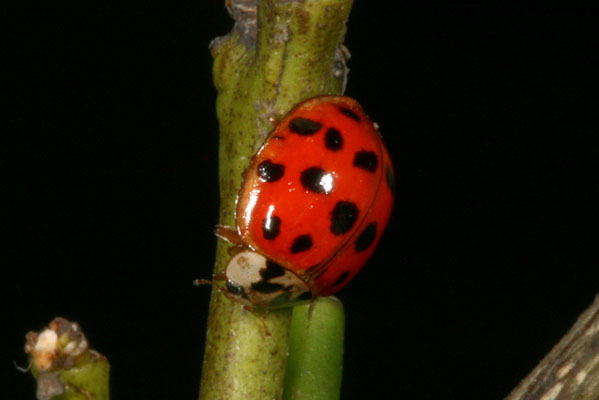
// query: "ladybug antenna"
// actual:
[[198, 282], [217, 278], [214, 283]]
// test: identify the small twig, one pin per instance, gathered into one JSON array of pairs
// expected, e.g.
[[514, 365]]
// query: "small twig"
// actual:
[[571, 370], [64, 365]]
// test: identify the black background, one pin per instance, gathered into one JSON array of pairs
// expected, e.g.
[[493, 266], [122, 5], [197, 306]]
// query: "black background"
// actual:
[[489, 113]]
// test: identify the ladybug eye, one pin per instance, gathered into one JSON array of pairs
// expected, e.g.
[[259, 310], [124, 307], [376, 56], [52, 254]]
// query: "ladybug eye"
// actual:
[[234, 288]]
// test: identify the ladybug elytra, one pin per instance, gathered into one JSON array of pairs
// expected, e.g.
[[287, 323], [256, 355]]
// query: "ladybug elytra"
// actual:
[[313, 205]]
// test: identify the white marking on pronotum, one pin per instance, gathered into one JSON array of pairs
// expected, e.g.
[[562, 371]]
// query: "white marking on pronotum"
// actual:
[[553, 392]]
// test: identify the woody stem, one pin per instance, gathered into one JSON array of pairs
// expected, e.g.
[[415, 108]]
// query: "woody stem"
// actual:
[[278, 53]]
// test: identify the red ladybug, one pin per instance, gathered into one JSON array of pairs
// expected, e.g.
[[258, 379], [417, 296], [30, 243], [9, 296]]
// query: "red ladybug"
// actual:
[[314, 202]]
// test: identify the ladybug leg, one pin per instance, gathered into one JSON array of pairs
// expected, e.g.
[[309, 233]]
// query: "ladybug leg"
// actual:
[[220, 276], [227, 233], [230, 235], [255, 314]]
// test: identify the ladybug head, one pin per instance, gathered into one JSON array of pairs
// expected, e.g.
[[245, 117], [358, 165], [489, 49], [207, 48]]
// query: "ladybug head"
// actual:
[[253, 280]]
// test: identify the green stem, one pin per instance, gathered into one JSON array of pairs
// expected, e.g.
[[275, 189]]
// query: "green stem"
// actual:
[[314, 366], [277, 55]]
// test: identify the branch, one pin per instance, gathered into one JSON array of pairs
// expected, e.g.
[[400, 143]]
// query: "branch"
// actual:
[[63, 364], [571, 370], [314, 367], [279, 53]]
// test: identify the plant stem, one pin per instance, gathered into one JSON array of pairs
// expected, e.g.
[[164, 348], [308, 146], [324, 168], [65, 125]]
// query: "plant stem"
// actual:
[[279, 53], [571, 369], [314, 367]]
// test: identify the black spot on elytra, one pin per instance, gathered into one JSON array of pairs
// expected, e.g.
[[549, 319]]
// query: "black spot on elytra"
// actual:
[[366, 237], [343, 217], [350, 113], [234, 288], [271, 227], [272, 270], [305, 296], [390, 179], [315, 180], [333, 140], [341, 278], [301, 243], [267, 287], [270, 172], [366, 160], [304, 126]]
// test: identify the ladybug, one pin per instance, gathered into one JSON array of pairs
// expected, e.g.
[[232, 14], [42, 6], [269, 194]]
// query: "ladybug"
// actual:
[[314, 202]]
